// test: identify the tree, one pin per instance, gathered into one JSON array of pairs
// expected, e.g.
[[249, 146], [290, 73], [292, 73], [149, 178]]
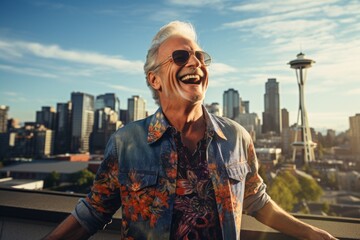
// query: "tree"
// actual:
[[83, 178], [262, 173], [52, 180], [288, 190], [310, 190], [283, 190]]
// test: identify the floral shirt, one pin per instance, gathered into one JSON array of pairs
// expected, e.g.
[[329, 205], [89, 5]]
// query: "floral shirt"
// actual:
[[195, 213], [139, 174]]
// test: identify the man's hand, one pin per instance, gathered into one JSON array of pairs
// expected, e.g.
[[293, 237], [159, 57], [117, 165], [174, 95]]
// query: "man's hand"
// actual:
[[319, 234], [275, 217]]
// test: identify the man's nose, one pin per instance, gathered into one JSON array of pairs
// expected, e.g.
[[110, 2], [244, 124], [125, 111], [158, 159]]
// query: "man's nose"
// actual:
[[193, 61]]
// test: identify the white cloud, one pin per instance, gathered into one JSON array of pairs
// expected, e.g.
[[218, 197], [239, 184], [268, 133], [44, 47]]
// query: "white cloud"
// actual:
[[355, 91], [326, 120], [221, 69], [197, 3], [326, 31], [27, 71], [279, 6], [20, 48], [126, 89], [12, 94]]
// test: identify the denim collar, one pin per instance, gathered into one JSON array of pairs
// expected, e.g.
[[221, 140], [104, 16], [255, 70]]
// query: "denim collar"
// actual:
[[159, 124]]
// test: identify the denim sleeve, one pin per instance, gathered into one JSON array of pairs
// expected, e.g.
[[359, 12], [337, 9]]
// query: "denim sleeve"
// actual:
[[89, 218], [255, 202], [97, 209], [255, 189]]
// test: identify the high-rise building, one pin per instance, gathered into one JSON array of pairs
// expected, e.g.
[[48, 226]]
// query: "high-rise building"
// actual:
[[355, 135], [109, 100], [82, 121], [44, 142], [107, 110], [285, 120], [214, 108], [105, 124], [245, 107], [136, 108], [12, 123], [271, 114], [63, 128], [251, 122], [3, 118], [46, 117], [4, 135], [22, 141], [124, 116], [231, 104]]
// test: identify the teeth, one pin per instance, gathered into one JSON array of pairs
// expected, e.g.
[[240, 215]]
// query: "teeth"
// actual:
[[187, 77]]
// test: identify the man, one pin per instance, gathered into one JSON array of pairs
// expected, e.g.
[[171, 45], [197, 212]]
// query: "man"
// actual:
[[181, 173]]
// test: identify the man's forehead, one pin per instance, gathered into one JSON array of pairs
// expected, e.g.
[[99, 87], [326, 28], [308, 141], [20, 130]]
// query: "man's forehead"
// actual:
[[177, 42]]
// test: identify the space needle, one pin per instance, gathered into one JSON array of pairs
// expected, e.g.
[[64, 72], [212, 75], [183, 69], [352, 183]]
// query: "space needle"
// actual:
[[303, 143]]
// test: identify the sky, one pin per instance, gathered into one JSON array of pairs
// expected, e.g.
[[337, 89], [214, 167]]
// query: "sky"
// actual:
[[49, 49]]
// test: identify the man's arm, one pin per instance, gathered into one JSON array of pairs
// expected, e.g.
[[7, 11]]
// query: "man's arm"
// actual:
[[275, 217], [69, 229]]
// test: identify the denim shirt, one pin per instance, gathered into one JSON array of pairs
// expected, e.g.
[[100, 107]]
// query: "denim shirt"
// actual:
[[139, 172]]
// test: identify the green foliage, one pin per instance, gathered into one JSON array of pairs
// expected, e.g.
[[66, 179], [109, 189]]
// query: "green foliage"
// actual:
[[320, 150], [281, 193], [326, 208], [83, 178], [262, 173], [52, 180], [288, 190], [310, 190]]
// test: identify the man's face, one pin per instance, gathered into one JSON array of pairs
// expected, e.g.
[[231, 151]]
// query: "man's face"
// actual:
[[181, 84]]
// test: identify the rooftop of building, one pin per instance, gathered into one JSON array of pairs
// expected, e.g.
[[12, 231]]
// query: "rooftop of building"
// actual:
[[37, 212], [47, 166]]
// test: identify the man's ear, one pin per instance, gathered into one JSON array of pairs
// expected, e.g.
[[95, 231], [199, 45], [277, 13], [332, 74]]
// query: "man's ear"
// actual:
[[153, 80]]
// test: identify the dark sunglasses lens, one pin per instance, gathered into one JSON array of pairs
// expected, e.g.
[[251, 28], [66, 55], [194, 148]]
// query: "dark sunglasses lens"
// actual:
[[180, 57]]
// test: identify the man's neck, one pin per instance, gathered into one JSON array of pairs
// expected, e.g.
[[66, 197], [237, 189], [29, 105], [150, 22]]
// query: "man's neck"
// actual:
[[183, 117], [190, 122]]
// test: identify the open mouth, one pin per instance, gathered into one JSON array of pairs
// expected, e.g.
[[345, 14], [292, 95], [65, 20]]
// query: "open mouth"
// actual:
[[190, 79]]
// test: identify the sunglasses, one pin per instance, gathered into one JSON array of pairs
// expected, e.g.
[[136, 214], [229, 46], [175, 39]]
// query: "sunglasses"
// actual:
[[181, 58]]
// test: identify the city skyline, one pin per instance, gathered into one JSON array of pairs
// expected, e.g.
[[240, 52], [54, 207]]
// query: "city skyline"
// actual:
[[48, 50]]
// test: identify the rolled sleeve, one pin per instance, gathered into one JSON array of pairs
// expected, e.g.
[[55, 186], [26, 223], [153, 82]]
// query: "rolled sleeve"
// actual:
[[96, 210], [255, 189], [88, 218], [255, 202]]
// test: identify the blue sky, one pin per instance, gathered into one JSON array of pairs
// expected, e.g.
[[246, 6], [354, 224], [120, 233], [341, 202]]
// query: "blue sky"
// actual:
[[49, 49]]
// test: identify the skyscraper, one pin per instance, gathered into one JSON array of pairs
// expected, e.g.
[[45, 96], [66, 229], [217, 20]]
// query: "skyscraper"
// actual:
[[285, 118], [271, 114], [107, 109], [3, 118], [46, 117], [63, 128], [44, 142], [136, 108], [109, 100], [82, 121], [231, 104], [214, 108], [245, 107], [355, 135], [4, 136], [105, 124]]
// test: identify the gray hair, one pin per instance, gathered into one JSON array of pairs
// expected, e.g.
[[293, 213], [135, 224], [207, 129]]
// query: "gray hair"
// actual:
[[173, 28]]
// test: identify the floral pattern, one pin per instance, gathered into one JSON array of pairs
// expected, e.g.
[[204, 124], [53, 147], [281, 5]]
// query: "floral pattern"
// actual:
[[154, 193], [195, 215]]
